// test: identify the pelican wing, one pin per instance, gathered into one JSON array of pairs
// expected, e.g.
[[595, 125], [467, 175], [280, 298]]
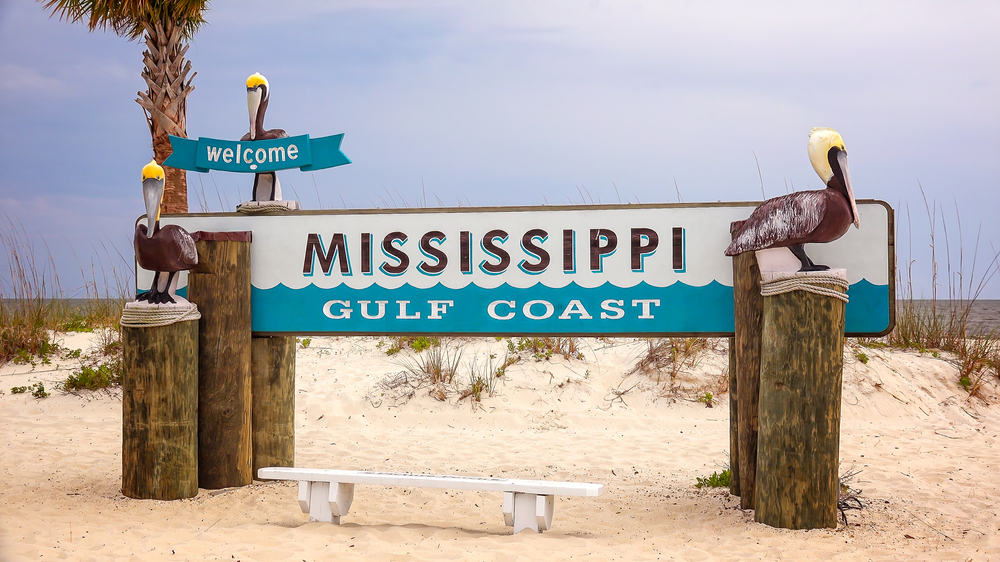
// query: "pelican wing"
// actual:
[[185, 244], [777, 220]]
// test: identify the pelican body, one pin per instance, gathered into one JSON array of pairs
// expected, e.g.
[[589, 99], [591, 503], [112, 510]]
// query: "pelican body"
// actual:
[[162, 250], [266, 186], [805, 217]]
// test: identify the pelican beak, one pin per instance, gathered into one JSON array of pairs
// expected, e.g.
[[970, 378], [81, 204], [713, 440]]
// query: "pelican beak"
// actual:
[[152, 193], [842, 161], [254, 95]]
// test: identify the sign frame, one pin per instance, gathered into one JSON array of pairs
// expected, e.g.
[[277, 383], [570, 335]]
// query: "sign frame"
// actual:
[[890, 265]]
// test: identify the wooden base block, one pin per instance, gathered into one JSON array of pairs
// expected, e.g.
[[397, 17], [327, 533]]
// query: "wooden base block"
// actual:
[[272, 371], [160, 412], [798, 450], [223, 297]]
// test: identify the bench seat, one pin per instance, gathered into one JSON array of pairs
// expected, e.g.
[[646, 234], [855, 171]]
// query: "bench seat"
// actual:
[[327, 494]]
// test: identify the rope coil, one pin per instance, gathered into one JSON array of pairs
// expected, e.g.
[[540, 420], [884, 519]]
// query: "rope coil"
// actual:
[[266, 208], [809, 283], [145, 316]]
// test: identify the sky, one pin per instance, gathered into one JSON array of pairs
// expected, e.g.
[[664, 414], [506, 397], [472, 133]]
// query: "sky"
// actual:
[[525, 103]]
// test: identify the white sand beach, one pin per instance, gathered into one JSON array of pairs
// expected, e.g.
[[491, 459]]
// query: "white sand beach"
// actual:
[[928, 459]]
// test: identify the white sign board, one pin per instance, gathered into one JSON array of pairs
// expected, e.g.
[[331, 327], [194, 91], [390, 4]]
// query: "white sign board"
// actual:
[[576, 270]]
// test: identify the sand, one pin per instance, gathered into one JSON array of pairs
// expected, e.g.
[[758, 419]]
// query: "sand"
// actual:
[[928, 459]]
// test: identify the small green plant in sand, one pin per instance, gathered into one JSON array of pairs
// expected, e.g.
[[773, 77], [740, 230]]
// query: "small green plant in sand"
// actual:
[[716, 480], [95, 377], [861, 356], [708, 399], [76, 323], [37, 390], [416, 343], [304, 342]]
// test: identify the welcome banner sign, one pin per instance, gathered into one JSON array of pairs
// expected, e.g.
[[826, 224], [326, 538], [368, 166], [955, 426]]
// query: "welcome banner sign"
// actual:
[[256, 156], [612, 270]]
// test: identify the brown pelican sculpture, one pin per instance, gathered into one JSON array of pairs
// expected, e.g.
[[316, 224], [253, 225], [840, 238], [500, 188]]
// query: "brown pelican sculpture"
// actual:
[[162, 250], [805, 217], [266, 186]]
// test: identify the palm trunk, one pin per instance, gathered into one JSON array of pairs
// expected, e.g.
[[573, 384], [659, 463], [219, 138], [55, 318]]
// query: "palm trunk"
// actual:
[[165, 103]]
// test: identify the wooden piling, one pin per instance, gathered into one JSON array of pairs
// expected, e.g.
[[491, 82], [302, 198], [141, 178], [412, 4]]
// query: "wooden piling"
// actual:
[[747, 309], [801, 373], [160, 411], [273, 381], [223, 296], [734, 426]]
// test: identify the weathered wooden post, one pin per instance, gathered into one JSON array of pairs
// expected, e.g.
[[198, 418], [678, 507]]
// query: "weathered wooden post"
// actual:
[[747, 309], [224, 449], [160, 409], [734, 423], [800, 393], [273, 381]]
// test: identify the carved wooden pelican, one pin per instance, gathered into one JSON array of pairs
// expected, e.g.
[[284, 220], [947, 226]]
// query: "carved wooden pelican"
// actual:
[[805, 217], [266, 186], [164, 251]]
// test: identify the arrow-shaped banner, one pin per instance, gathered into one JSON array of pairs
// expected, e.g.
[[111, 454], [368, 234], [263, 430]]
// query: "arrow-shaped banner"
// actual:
[[254, 157]]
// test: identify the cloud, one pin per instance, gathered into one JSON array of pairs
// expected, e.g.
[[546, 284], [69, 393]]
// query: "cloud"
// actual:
[[20, 80]]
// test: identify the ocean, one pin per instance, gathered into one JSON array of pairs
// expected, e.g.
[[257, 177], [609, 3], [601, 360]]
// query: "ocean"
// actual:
[[984, 315]]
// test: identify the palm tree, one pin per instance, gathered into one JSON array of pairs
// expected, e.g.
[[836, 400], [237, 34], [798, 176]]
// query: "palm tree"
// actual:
[[166, 25]]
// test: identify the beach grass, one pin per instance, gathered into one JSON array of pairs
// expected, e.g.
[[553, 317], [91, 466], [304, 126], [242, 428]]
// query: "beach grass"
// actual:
[[33, 304], [942, 322]]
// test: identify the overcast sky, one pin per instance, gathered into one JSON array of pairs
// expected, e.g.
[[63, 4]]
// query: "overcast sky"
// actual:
[[524, 103]]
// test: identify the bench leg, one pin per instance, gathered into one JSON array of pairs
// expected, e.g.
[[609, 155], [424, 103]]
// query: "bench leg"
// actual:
[[528, 511], [325, 501]]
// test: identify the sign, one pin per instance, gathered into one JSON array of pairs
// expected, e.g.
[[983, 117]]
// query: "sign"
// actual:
[[612, 270], [256, 156]]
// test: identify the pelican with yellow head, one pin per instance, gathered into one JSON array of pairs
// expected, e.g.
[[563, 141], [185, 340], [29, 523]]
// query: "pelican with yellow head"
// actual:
[[805, 217], [266, 186], [163, 250]]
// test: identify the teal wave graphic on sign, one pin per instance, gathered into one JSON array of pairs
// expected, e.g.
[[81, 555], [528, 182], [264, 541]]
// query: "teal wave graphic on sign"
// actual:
[[606, 310], [255, 157]]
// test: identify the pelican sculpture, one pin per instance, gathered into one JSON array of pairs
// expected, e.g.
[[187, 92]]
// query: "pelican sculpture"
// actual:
[[266, 186], [805, 217], [162, 250]]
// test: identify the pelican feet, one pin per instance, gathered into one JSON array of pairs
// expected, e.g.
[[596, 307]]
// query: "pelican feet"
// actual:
[[807, 264], [815, 267], [155, 298]]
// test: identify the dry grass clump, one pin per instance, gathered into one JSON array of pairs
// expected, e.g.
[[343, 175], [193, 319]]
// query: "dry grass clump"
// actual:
[[438, 370], [944, 323], [848, 497], [672, 355], [25, 313], [32, 303], [483, 377], [543, 348], [672, 364]]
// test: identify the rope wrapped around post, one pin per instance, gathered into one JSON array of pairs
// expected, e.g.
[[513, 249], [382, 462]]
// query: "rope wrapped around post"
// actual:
[[145, 316], [811, 282]]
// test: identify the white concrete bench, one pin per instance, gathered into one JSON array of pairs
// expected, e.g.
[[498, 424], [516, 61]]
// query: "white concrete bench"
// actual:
[[326, 494]]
